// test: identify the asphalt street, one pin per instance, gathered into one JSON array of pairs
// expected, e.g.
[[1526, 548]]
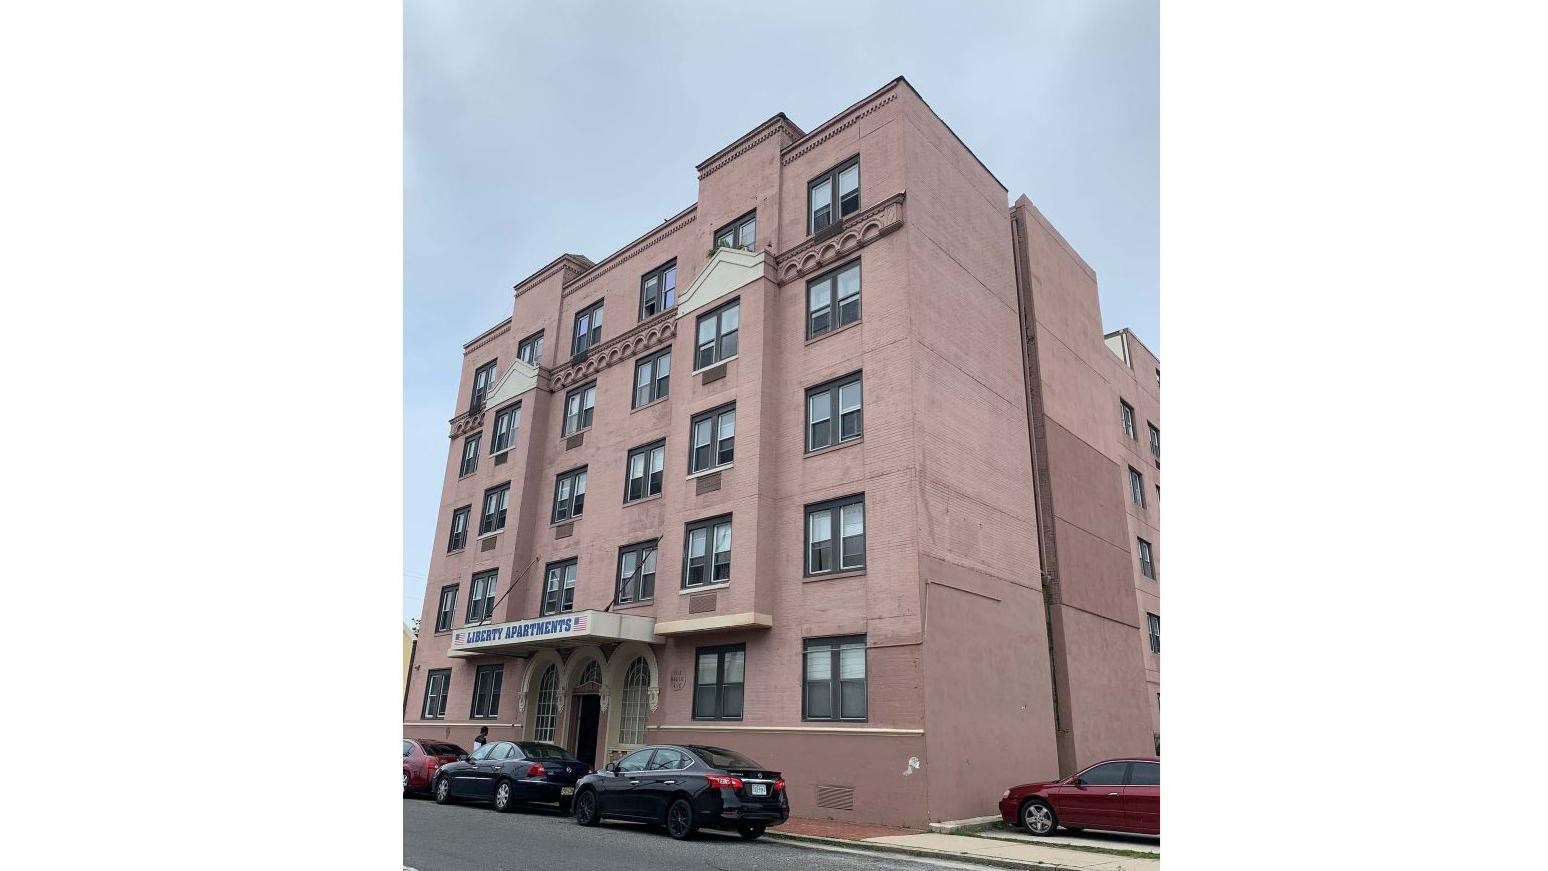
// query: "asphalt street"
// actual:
[[472, 837]]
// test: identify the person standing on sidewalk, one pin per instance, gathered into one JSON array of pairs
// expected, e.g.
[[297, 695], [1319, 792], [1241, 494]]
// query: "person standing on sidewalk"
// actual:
[[483, 737]]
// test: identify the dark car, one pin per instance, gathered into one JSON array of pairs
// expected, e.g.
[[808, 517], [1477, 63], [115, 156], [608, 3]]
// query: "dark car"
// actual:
[[685, 787], [1117, 795], [507, 772], [421, 758]]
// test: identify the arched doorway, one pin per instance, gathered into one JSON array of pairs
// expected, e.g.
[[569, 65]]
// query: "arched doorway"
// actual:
[[587, 689]]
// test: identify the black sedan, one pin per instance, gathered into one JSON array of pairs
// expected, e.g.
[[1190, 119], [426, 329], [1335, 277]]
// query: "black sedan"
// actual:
[[507, 772], [685, 787]]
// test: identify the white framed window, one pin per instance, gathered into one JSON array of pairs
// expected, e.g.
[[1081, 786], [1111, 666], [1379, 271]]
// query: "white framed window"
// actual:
[[644, 465], [841, 396], [718, 334], [559, 588], [841, 518], [652, 378], [636, 573], [506, 423], [579, 408], [713, 442], [833, 300], [546, 714], [636, 700], [707, 552]]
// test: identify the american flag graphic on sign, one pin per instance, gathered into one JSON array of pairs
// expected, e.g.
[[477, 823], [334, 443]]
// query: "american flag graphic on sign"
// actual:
[[457, 638], [580, 623]]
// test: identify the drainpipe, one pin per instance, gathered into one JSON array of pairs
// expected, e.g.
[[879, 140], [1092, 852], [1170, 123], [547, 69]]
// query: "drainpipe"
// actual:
[[1042, 500]]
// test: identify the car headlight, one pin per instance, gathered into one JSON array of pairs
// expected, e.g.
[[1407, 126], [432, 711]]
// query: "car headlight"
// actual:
[[1005, 794]]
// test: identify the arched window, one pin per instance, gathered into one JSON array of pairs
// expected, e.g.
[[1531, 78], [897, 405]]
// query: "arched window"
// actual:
[[547, 708], [591, 674], [636, 687]]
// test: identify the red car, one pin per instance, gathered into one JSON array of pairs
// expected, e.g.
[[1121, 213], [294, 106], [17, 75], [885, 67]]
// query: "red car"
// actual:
[[422, 758], [1118, 795]]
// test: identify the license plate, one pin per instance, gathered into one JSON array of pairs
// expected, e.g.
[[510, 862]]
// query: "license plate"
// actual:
[[760, 788], [566, 790]]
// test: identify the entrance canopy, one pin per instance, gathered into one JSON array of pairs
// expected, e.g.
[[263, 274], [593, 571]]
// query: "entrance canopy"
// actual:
[[576, 628]]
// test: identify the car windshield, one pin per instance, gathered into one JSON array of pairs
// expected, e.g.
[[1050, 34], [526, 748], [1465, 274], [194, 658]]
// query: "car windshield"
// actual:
[[720, 757], [535, 750], [435, 749]]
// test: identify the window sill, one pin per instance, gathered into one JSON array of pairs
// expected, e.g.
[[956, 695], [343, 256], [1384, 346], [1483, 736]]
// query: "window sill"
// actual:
[[688, 591], [563, 437], [714, 364], [833, 332], [831, 448], [651, 404], [833, 576], [651, 498], [498, 453], [702, 472], [457, 551], [490, 534], [634, 605], [554, 523], [462, 477]]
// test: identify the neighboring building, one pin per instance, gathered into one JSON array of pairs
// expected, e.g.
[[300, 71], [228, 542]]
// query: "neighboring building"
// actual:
[[829, 467]]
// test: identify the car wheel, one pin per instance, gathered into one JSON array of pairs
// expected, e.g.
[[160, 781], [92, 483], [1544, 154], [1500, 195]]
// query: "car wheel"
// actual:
[[586, 808], [751, 832], [502, 797], [1038, 817], [680, 823], [443, 790], [406, 789]]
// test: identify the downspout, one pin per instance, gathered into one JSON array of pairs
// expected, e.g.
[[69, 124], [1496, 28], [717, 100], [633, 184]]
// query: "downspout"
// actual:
[[1042, 500]]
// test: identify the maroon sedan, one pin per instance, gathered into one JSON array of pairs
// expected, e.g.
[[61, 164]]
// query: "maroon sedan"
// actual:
[[422, 758], [1118, 795]]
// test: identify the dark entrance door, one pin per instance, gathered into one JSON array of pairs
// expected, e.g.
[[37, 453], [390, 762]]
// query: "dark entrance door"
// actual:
[[588, 710]]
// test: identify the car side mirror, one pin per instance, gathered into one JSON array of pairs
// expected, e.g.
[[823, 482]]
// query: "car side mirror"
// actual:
[[462, 757], [612, 768], [1078, 783]]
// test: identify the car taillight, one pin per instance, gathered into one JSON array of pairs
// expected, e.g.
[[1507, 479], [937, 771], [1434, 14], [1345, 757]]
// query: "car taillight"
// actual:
[[722, 780], [779, 785], [536, 770]]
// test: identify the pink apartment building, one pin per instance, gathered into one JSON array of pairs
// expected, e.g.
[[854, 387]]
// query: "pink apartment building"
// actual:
[[834, 467]]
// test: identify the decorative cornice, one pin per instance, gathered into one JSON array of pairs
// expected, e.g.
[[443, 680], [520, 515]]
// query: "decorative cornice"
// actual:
[[487, 336], [659, 330], [802, 146], [775, 126], [467, 422], [570, 265], [858, 231], [608, 264]]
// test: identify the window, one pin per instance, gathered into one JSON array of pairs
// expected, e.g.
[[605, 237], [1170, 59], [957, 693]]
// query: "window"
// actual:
[[843, 518], [481, 605], [821, 402], [636, 761], [658, 290], [1106, 774], [636, 573], [1147, 565], [833, 300], [437, 682], [446, 610], [408, 749], [570, 495], [459, 529], [717, 682], [669, 759], [1145, 773], [547, 711], [644, 467], [636, 695], [1155, 440], [834, 688], [652, 377], [714, 439], [591, 674], [483, 379], [1127, 412], [717, 335], [469, 455], [494, 509], [486, 691], [559, 590], [1154, 622], [531, 349], [507, 421], [833, 195], [741, 233], [588, 329], [580, 407], [1136, 487], [708, 552]]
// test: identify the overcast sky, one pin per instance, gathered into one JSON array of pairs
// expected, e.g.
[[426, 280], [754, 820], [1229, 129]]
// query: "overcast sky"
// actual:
[[537, 128]]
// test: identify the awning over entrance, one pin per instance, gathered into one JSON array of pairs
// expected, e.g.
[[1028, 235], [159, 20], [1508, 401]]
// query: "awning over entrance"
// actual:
[[523, 637]]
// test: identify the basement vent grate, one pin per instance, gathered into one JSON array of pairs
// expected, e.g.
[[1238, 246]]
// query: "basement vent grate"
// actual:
[[836, 798], [488, 543], [701, 603]]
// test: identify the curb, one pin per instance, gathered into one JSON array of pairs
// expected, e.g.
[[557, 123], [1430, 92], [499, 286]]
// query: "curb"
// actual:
[[951, 827], [918, 852]]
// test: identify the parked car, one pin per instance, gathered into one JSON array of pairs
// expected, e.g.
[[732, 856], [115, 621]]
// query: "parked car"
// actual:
[[1115, 795], [685, 787], [508, 772], [421, 758]]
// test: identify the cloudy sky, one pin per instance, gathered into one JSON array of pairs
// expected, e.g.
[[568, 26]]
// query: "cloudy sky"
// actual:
[[536, 128]]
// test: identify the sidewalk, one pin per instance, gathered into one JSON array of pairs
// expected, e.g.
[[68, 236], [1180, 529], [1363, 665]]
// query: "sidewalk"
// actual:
[[1002, 849]]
